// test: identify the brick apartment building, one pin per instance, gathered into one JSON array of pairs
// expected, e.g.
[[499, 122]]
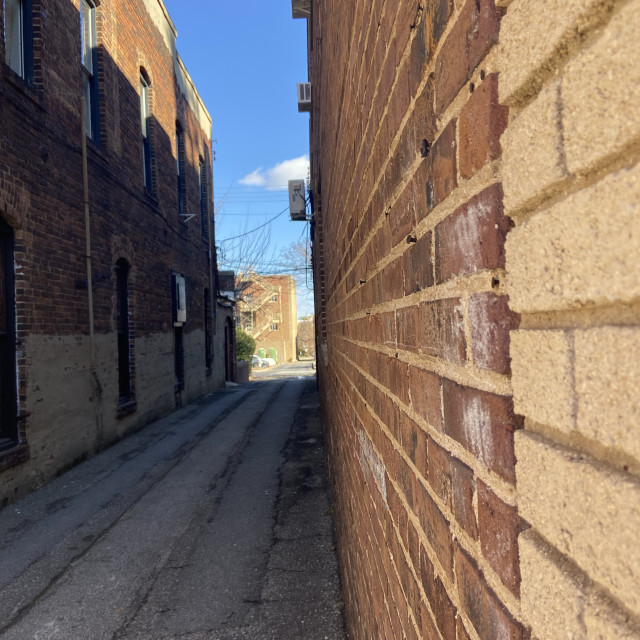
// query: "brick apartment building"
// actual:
[[267, 310], [108, 306], [476, 223]]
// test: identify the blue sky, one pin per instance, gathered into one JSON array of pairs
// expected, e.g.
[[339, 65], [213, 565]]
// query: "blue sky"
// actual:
[[245, 59]]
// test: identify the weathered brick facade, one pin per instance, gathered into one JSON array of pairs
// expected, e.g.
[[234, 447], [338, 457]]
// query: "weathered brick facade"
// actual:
[[82, 385], [476, 233], [267, 310]]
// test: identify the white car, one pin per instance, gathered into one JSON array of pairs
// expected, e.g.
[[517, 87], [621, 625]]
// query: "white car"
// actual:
[[258, 363], [270, 362]]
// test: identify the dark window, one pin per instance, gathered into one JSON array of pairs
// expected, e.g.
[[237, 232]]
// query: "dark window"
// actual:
[[90, 68], [204, 195], [180, 169], [124, 333], [18, 37], [145, 117], [274, 326], [208, 350], [8, 405]]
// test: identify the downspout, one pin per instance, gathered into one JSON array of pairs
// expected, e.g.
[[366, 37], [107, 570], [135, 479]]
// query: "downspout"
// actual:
[[87, 230]]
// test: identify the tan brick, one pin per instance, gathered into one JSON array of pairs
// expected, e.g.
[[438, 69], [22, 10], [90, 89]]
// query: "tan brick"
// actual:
[[542, 377], [552, 597], [601, 93], [540, 29], [582, 250], [559, 602], [588, 512], [604, 622], [532, 150], [608, 398]]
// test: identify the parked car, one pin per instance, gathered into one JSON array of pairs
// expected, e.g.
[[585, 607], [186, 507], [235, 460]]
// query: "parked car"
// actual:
[[258, 363], [270, 362]]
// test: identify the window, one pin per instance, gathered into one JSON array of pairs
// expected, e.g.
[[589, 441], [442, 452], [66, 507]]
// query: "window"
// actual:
[[274, 326], [180, 167], [248, 297], [246, 320], [274, 298], [18, 37], [203, 175], [146, 132], [8, 405], [125, 388], [89, 56]]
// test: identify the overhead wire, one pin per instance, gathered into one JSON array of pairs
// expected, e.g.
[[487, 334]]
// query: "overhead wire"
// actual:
[[246, 233]]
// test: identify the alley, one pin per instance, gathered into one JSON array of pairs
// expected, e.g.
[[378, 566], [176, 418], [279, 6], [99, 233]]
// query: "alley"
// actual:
[[213, 523]]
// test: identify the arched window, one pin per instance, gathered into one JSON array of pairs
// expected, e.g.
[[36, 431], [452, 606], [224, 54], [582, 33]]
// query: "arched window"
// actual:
[[18, 37], [180, 169], [203, 175], [145, 126], [89, 52]]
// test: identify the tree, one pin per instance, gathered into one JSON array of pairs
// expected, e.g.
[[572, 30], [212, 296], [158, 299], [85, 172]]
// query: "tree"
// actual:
[[245, 345], [306, 336]]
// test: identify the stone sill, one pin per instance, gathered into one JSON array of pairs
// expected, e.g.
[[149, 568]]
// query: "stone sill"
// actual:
[[14, 456]]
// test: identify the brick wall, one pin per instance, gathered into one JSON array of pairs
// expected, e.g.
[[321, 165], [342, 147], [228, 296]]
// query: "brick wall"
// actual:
[[474, 170], [273, 308], [65, 412]]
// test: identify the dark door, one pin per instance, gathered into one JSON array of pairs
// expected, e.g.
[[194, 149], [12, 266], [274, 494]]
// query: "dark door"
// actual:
[[228, 350], [8, 431]]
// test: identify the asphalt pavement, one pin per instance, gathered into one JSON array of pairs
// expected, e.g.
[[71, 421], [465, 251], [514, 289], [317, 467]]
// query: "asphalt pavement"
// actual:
[[213, 523]]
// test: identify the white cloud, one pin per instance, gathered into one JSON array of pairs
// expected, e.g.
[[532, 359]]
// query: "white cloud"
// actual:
[[255, 179], [276, 178]]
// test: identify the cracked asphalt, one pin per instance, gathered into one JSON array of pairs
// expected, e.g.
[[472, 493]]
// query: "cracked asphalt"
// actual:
[[213, 523]]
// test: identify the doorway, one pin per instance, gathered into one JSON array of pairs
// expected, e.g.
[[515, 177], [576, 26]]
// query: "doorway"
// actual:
[[8, 404]]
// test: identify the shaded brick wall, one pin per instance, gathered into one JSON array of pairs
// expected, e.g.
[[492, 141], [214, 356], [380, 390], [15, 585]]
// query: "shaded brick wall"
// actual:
[[476, 227], [65, 414]]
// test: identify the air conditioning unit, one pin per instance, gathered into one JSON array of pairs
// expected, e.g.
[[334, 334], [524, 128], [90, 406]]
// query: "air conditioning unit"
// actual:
[[304, 96], [297, 203], [301, 8], [178, 300]]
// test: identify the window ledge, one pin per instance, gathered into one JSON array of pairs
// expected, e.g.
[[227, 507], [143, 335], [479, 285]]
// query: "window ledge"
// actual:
[[27, 89], [150, 196], [14, 455], [126, 408]]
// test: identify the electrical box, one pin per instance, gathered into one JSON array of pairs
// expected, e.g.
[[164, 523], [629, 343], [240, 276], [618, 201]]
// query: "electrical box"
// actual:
[[179, 300], [304, 96], [297, 202]]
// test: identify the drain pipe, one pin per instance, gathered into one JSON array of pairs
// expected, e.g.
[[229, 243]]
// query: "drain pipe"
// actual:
[[87, 229]]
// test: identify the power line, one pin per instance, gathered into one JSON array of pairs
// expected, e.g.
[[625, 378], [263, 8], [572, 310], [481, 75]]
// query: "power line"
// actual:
[[257, 228]]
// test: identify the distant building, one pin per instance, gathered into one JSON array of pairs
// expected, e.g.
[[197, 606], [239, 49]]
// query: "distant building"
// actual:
[[267, 311], [109, 314]]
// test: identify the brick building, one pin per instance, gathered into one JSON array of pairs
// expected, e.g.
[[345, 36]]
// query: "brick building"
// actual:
[[267, 310], [476, 203], [108, 306]]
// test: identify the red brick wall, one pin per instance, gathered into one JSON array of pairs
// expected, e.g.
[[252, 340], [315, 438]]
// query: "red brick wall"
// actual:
[[410, 229], [66, 416], [282, 312], [474, 169]]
